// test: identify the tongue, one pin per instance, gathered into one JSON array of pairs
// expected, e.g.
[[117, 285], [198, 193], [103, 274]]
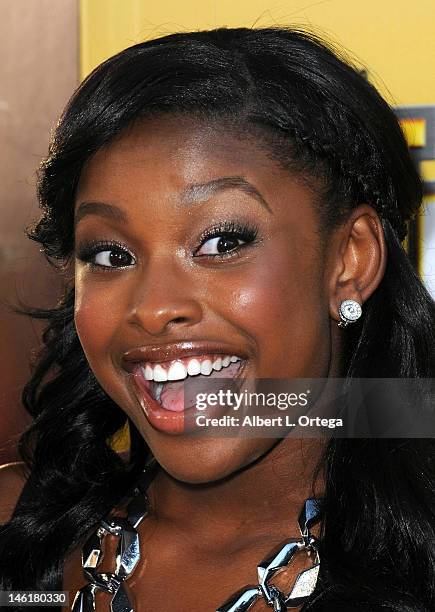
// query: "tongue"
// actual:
[[172, 396]]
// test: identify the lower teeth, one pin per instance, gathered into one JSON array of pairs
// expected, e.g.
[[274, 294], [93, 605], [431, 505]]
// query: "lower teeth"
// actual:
[[158, 391]]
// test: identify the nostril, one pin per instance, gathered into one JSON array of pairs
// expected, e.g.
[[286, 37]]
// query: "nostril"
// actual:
[[161, 313]]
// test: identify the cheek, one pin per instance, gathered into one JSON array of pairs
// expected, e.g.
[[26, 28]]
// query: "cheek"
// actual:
[[284, 310], [96, 319]]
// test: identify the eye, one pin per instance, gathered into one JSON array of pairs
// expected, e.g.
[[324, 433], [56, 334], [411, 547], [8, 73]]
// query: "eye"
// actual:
[[105, 255], [219, 245], [113, 258], [225, 240]]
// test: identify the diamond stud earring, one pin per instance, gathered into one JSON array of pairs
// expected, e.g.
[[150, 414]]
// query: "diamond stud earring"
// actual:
[[349, 312]]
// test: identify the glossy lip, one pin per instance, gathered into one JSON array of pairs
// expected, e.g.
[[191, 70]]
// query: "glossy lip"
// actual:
[[168, 421], [160, 353]]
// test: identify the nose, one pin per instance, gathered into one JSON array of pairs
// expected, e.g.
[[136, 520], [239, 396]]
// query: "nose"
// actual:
[[164, 300]]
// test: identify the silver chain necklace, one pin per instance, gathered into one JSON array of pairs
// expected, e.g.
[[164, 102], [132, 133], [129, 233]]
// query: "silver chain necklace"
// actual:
[[128, 556]]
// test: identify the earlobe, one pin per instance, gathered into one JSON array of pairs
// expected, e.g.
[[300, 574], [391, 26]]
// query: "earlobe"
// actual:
[[360, 255]]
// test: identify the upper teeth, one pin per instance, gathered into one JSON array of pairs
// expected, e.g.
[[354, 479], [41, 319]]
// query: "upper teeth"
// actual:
[[181, 369]]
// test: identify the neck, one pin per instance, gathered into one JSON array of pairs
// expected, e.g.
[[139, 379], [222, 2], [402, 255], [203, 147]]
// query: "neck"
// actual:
[[263, 498]]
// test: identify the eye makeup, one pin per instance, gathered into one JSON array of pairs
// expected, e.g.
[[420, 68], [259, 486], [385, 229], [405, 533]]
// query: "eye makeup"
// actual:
[[89, 251], [115, 255]]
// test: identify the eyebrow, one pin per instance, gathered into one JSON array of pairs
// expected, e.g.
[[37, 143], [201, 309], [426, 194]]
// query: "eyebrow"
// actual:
[[195, 193], [199, 192], [99, 208]]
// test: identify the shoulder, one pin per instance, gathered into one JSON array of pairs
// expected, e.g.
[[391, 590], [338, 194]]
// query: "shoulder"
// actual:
[[13, 477]]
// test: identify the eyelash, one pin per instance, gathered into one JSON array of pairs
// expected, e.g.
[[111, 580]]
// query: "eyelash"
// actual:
[[88, 252], [247, 233], [232, 229]]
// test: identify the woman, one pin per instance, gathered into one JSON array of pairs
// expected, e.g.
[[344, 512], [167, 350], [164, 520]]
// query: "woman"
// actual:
[[220, 195]]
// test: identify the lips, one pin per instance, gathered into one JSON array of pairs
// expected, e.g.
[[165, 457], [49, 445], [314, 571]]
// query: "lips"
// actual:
[[177, 350], [176, 418]]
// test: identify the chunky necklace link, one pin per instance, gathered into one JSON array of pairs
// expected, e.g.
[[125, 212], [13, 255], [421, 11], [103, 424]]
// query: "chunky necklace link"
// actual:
[[128, 556], [306, 580]]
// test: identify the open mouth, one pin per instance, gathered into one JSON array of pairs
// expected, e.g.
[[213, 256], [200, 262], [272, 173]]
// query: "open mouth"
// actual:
[[186, 378]]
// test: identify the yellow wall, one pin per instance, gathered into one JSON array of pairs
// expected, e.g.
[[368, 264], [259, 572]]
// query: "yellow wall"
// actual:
[[394, 39]]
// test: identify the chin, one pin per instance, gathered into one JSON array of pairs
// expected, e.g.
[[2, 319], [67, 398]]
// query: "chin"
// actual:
[[208, 460]]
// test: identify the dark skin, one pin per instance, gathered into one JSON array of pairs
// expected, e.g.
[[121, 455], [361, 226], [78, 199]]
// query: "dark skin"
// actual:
[[219, 505]]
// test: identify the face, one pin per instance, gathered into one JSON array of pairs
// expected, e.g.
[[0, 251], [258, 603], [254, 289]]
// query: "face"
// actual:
[[191, 240]]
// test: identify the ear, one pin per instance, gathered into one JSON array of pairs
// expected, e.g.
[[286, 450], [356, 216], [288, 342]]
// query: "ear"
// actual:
[[357, 258]]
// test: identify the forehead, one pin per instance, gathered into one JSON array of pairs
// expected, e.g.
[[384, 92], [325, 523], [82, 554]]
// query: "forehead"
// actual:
[[161, 157], [183, 144]]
